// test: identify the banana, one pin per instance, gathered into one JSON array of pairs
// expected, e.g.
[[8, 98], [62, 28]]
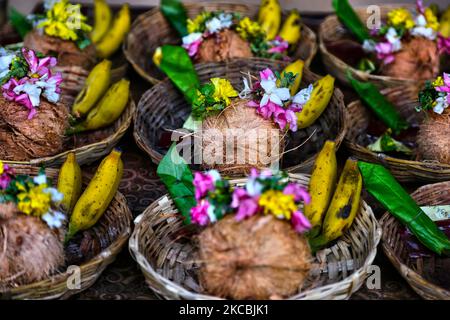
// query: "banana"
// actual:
[[343, 207], [69, 182], [157, 56], [321, 186], [444, 23], [291, 30], [112, 40], [95, 86], [98, 194], [107, 110], [102, 20], [269, 17], [296, 68], [320, 97]]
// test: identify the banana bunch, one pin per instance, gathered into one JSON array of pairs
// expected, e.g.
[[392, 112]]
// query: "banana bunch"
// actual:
[[292, 29], [110, 35], [444, 23], [69, 182], [97, 196], [320, 97], [102, 20], [343, 205]]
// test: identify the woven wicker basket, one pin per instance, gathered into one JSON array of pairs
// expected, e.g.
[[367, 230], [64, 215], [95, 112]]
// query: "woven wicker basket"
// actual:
[[151, 30], [161, 244], [113, 229], [162, 109], [419, 273], [331, 29], [405, 99], [89, 146]]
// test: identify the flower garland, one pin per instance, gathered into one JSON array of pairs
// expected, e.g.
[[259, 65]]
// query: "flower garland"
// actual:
[[264, 193], [208, 24], [275, 101], [32, 195], [400, 24], [436, 95], [25, 76]]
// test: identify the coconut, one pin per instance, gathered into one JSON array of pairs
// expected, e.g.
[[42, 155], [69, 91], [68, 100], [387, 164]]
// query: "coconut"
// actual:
[[417, 60], [239, 139], [22, 139], [433, 139], [223, 46], [258, 258], [29, 250], [67, 52]]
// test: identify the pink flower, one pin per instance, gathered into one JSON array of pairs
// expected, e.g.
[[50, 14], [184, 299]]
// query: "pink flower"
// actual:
[[420, 6], [443, 44], [385, 52], [446, 86], [300, 193], [267, 74], [199, 213], [300, 222], [5, 177], [38, 66], [246, 205], [278, 45], [21, 98], [267, 110], [203, 183], [253, 104], [193, 47]]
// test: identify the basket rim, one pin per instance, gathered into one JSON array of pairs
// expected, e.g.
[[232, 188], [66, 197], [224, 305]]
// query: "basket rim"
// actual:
[[146, 76], [406, 272], [111, 251], [350, 281], [127, 116]]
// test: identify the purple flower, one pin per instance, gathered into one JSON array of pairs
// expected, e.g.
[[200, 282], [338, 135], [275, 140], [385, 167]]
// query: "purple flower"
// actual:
[[300, 193], [267, 110], [199, 213], [300, 222], [38, 66], [446, 86], [246, 205], [385, 52], [5, 177], [420, 7], [278, 45], [443, 44], [203, 182]]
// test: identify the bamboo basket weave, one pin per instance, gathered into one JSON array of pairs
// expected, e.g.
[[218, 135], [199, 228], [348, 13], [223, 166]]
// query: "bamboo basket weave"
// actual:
[[419, 273], [151, 30], [405, 100], [331, 29], [163, 248], [113, 230], [163, 109]]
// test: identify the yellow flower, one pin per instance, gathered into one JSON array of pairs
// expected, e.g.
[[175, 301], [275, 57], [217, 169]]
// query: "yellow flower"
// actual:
[[401, 18], [34, 202], [196, 24], [432, 21], [223, 90], [438, 82], [248, 28], [64, 20], [277, 203]]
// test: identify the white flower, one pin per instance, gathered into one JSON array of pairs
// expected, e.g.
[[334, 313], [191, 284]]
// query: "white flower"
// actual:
[[394, 39], [192, 37], [213, 25], [211, 215], [303, 95], [369, 45], [54, 219], [215, 175], [441, 104], [55, 194], [40, 179], [246, 91], [253, 187], [6, 57], [50, 88], [226, 19], [421, 29], [32, 90], [272, 93]]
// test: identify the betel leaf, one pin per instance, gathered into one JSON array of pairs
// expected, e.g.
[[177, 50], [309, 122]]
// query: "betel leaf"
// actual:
[[175, 13], [20, 22], [379, 182], [177, 177], [350, 19], [177, 65], [382, 108]]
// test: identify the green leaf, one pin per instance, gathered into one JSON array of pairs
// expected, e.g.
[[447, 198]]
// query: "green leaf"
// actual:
[[386, 143], [177, 177], [19, 22], [382, 108], [350, 19], [175, 13]]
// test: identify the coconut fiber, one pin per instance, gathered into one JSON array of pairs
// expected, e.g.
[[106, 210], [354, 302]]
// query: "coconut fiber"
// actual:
[[224, 46]]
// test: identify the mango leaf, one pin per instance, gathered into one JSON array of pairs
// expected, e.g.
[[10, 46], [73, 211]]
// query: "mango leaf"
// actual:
[[350, 19], [175, 13], [177, 177], [20, 22]]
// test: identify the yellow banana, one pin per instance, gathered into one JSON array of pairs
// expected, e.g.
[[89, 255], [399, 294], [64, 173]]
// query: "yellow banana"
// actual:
[[107, 110], [292, 29], [343, 207], [112, 40], [157, 56], [95, 86], [269, 17], [102, 20], [296, 68], [444, 23], [98, 194], [320, 97], [321, 186], [69, 182]]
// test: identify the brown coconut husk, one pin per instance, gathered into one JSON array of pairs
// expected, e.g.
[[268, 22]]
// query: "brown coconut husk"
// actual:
[[249, 150], [433, 139], [417, 60], [22, 139], [67, 52], [29, 250], [223, 46], [258, 258]]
